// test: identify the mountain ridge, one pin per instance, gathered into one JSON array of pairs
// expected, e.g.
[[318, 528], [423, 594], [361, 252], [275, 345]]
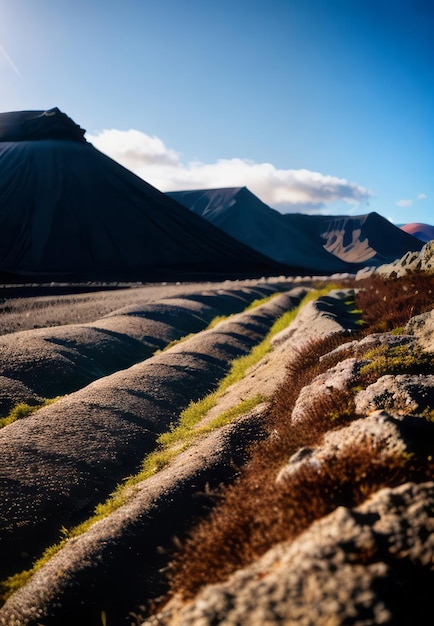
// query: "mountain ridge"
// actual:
[[322, 244], [68, 211]]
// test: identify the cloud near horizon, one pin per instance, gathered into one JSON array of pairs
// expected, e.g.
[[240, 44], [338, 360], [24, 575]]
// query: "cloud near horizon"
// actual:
[[285, 190], [407, 202]]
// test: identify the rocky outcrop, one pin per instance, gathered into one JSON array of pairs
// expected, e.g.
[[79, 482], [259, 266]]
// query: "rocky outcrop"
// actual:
[[362, 565], [411, 262]]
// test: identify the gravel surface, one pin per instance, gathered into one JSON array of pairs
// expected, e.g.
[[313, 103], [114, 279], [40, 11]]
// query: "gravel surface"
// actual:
[[61, 461], [52, 361]]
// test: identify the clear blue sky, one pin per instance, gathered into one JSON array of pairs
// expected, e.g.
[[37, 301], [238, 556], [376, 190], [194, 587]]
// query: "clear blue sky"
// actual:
[[319, 105]]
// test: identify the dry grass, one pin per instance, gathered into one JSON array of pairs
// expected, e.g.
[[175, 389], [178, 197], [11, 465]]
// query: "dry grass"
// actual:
[[389, 303], [254, 513], [22, 410], [244, 528]]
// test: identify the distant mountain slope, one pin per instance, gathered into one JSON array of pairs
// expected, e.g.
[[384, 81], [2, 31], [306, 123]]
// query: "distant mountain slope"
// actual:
[[362, 239], [68, 211], [321, 244], [424, 232]]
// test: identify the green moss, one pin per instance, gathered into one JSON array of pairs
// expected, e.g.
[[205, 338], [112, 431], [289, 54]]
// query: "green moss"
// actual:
[[398, 330], [261, 301], [228, 416], [156, 461], [357, 388], [22, 410], [13, 583], [175, 343], [404, 359], [339, 415], [219, 318], [428, 414]]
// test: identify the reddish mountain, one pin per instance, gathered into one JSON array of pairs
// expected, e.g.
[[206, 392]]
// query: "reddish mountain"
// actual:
[[424, 232]]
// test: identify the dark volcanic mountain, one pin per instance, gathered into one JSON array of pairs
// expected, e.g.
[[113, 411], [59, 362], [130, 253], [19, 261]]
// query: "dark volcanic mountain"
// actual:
[[424, 232], [320, 244], [69, 212]]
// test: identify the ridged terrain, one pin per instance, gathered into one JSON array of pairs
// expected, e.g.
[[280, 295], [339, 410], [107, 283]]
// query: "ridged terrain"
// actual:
[[341, 466]]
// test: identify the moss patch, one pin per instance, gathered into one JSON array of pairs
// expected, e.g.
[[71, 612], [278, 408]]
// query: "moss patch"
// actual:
[[404, 359], [22, 410]]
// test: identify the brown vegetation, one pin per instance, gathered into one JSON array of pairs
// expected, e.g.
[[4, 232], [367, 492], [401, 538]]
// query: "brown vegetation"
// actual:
[[256, 511], [388, 304]]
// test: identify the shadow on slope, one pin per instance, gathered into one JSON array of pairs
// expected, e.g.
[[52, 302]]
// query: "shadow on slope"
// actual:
[[67, 210], [317, 243]]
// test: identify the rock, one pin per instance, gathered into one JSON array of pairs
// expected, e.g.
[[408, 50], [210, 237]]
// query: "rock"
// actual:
[[422, 328], [427, 257], [411, 262], [340, 377], [365, 272], [370, 342], [367, 565], [379, 431], [400, 394]]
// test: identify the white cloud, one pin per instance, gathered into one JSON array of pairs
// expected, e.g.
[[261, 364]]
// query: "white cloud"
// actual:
[[405, 202], [134, 149], [422, 196], [286, 190]]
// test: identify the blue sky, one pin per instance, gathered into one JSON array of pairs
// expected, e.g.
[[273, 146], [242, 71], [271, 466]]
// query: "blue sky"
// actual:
[[318, 106]]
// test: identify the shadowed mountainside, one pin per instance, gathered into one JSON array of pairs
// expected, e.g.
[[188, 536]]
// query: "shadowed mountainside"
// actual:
[[322, 244], [69, 212]]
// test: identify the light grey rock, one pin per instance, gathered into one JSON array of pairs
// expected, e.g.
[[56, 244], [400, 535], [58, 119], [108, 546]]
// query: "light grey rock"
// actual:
[[375, 340], [380, 431], [421, 327], [340, 377], [368, 565], [365, 272], [427, 257], [399, 394], [411, 262]]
